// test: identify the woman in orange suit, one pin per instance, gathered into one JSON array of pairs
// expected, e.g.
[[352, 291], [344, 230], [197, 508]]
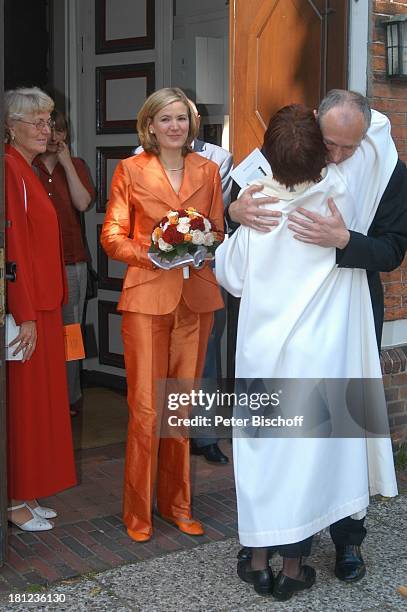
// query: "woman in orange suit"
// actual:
[[166, 318]]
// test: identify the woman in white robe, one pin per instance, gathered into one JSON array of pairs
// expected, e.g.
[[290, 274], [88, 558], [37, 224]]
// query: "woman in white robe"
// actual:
[[302, 317]]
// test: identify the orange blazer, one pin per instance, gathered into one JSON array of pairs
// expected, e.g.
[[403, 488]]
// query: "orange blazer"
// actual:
[[140, 196]]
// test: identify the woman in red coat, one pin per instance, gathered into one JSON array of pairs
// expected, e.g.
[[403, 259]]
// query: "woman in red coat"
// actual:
[[40, 454]]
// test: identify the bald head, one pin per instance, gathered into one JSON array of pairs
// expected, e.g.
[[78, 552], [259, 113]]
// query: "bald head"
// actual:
[[344, 118]]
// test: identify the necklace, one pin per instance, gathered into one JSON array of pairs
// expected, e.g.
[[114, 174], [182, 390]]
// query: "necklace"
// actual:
[[174, 169]]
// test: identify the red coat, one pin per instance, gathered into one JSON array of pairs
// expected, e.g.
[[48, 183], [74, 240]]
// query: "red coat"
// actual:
[[40, 456], [32, 242]]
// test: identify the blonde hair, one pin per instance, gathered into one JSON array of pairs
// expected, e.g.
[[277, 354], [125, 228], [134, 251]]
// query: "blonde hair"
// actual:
[[156, 102], [23, 101]]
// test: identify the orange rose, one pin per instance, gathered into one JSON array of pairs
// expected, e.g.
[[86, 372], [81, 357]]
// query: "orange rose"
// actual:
[[187, 237], [157, 234]]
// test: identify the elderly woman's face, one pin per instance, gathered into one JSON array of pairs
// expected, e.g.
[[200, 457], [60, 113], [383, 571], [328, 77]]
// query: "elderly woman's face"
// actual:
[[171, 125], [31, 134]]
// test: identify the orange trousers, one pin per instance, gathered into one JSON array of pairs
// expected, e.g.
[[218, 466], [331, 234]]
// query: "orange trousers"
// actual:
[[158, 347]]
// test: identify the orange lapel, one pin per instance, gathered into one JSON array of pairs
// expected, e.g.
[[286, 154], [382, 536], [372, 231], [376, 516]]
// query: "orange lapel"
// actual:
[[194, 176], [153, 178]]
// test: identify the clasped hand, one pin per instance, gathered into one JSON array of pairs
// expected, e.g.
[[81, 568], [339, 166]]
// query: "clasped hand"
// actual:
[[310, 227], [327, 231], [250, 211]]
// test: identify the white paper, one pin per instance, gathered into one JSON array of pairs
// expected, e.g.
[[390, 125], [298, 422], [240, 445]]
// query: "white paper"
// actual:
[[11, 331], [196, 259], [254, 167]]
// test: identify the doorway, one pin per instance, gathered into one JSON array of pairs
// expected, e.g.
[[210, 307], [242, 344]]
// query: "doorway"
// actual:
[[100, 74]]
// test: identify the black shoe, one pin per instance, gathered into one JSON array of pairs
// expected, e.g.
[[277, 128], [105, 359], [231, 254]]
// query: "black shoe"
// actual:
[[349, 565], [262, 580], [245, 553], [285, 587], [212, 453]]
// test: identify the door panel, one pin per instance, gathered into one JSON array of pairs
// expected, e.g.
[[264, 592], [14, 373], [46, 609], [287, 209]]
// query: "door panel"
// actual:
[[282, 51], [124, 55]]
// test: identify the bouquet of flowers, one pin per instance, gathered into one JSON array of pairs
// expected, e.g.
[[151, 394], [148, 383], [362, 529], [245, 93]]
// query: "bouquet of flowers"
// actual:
[[183, 237]]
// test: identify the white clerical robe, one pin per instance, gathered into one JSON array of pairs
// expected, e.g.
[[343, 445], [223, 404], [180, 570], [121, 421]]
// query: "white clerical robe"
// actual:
[[303, 317]]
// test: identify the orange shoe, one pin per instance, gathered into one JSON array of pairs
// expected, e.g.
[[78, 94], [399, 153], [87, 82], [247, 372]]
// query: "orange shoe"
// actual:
[[190, 527], [138, 536]]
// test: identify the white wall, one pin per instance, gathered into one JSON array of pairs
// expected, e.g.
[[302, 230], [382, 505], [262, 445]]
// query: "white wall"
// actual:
[[358, 45], [206, 18]]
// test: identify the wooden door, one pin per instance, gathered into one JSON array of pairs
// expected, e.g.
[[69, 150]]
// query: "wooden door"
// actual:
[[282, 51], [3, 465]]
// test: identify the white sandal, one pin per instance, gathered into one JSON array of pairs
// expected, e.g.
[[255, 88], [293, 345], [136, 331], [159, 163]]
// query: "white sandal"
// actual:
[[35, 524], [43, 511]]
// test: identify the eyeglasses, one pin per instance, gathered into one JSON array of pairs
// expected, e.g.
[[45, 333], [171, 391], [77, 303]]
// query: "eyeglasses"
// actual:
[[40, 124]]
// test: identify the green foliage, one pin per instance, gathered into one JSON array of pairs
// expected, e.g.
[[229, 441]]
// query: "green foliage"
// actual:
[[401, 457]]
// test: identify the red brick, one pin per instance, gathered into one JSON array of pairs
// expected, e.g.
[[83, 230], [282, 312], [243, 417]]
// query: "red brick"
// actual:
[[396, 407], [392, 300], [392, 394], [397, 118], [377, 48], [399, 379], [45, 570], [73, 561], [394, 276], [387, 380], [399, 420], [394, 314], [399, 131], [378, 63], [393, 289], [384, 90], [386, 103], [19, 564], [384, 7]]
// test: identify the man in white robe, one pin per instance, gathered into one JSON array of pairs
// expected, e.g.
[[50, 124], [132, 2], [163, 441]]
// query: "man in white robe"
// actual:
[[237, 265], [380, 249]]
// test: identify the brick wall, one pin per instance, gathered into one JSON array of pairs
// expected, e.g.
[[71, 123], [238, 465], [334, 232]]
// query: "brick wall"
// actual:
[[394, 366], [390, 97]]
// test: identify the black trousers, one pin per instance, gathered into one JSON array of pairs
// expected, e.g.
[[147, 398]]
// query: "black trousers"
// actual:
[[345, 531], [297, 549], [348, 531]]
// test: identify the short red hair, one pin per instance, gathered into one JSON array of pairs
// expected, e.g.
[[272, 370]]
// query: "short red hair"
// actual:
[[294, 146]]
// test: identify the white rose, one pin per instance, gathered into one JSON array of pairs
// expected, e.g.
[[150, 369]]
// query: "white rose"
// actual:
[[198, 237], [207, 225], [183, 228], [209, 239], [164, 246], [165, 226], [172, 213], [184, 220]]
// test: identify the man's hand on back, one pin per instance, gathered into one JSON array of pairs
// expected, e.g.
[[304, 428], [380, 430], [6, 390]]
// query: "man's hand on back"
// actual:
[[250, 211], [328, 231]]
